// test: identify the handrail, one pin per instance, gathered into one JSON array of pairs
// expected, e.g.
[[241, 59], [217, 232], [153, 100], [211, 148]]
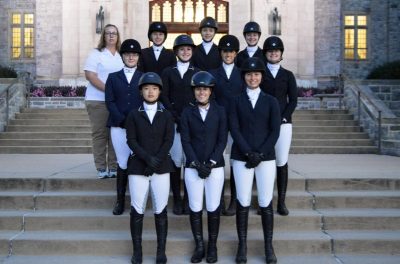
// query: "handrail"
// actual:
[[377, 108]]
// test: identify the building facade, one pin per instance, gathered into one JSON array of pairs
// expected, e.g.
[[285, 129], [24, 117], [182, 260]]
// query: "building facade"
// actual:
[[52, 38]]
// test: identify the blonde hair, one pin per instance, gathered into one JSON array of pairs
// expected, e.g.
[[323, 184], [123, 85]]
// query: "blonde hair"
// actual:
[[102, 41]]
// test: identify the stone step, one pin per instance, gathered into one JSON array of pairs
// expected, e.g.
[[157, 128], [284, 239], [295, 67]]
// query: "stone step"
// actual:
[[332, 135], [366, 242], [299, 117], [352, 184], [350, 258], [54, 111], [44, 135], [48, 128], [331, 142], [361, 219], [175, 259], [178, 243], [319, 112], [321, 129], [333, 150], [48, 122], [45, 149], [324, 123], [52, 116], [75, 220], [46, 142]]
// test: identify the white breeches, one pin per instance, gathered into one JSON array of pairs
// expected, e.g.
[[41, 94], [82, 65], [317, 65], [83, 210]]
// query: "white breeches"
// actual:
[[265, 178], [282, 146], [157, 184], [211, 185], [122, 150]]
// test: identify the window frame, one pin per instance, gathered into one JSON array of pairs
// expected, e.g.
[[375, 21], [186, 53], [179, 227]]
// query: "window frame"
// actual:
[[22, 26], [355, 27]]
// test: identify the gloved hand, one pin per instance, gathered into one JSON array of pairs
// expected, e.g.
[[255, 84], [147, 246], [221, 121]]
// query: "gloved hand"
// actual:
[[154, 163], [253, 159], [148, 171], [123, 124], [202, 170]]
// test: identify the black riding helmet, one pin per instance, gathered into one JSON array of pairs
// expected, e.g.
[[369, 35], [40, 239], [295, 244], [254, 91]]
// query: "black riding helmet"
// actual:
[[130, 45], [183, 40], [253, 64], [157, 27], [229, 42], [150, 78], [273, 43], [202, 79], [251, 27], [208, 22]]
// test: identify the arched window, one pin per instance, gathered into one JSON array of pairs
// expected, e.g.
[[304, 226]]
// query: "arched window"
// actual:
[[184, 16]]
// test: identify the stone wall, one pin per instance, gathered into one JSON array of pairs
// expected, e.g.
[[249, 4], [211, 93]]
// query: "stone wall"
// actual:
[[57, 102], [16, 101], [389, 93]]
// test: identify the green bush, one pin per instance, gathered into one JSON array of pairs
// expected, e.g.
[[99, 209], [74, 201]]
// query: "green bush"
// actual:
[[7, 72], [390, 70]]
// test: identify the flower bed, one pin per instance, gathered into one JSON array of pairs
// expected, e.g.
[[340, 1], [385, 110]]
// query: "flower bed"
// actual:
[[57, 91]]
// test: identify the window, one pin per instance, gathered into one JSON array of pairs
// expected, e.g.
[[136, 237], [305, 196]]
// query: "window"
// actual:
[[22, 36], [184, 16], [355, 37]]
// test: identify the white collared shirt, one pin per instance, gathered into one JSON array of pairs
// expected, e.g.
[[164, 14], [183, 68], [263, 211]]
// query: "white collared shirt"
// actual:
[[273, 68], [151, 110], [129, 72], [207, 46], [251, 50], [204, 111], [182, 67], [228, 69], [157, 51], [253, 95]]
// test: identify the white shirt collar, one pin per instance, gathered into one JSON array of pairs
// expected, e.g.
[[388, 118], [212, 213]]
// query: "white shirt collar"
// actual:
[[129, 70], [253, 93], [157, 48], [251, 49], [228, 68], [150, 107], [207, 46]]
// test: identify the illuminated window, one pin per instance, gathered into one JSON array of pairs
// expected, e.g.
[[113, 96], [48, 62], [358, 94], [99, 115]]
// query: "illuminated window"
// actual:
[[167, 12], [178, 11], [22, 36], [199, 11], [156, 13], [221, 13], [355, 37], [211, 9]]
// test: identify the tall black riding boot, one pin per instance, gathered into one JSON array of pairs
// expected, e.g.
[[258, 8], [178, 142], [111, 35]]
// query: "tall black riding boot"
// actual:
[[196, 223], [242, 217], [213, 219], [185, 201], [232, 205], [175, 178], [136, 233], [122, 180], [282, 181], [161, 230], [267, 219]]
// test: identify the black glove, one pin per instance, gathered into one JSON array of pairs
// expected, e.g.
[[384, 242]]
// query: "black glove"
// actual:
[[148, 171], [123, 123], [204, 171], [253, 159], [154, 163]]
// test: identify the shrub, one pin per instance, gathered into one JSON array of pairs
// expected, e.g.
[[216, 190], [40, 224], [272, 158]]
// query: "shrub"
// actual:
[[309, 92], [7, 72], [390, 70], [58, 91]]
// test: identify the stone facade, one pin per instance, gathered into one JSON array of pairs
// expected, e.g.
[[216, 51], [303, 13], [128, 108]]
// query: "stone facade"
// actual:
[[57, 102], [389, 93], [16, 101]]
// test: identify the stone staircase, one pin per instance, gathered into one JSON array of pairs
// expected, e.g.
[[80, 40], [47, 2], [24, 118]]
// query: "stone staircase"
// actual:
[[56, 131], [67, 218]]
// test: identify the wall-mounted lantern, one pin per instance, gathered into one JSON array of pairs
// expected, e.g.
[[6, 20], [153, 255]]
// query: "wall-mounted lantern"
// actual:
[[100, 20], [275, 22]]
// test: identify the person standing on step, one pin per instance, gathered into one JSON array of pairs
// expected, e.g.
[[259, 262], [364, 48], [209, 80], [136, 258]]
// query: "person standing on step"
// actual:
[[252, 34], [150, 133], [102, 61], [122, 95], [204, 134], [177, 94], [229, 84], [254, 120], [281, 84], [206, 55], [156, 58]]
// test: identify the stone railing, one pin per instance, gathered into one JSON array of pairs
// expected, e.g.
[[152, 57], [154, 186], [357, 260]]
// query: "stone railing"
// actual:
[[374, 116]]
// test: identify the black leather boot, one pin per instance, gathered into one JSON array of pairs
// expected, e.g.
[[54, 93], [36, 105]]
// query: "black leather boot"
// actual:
[[136, 234], [267, 219], [185, 201], [196, 223], [242, 217], [122, 180], [282, 181], [213, 219], [232, 205], [175, 178], [161, 221]]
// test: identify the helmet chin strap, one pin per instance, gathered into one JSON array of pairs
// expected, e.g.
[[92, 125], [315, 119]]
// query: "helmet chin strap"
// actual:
[[202, 104]]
